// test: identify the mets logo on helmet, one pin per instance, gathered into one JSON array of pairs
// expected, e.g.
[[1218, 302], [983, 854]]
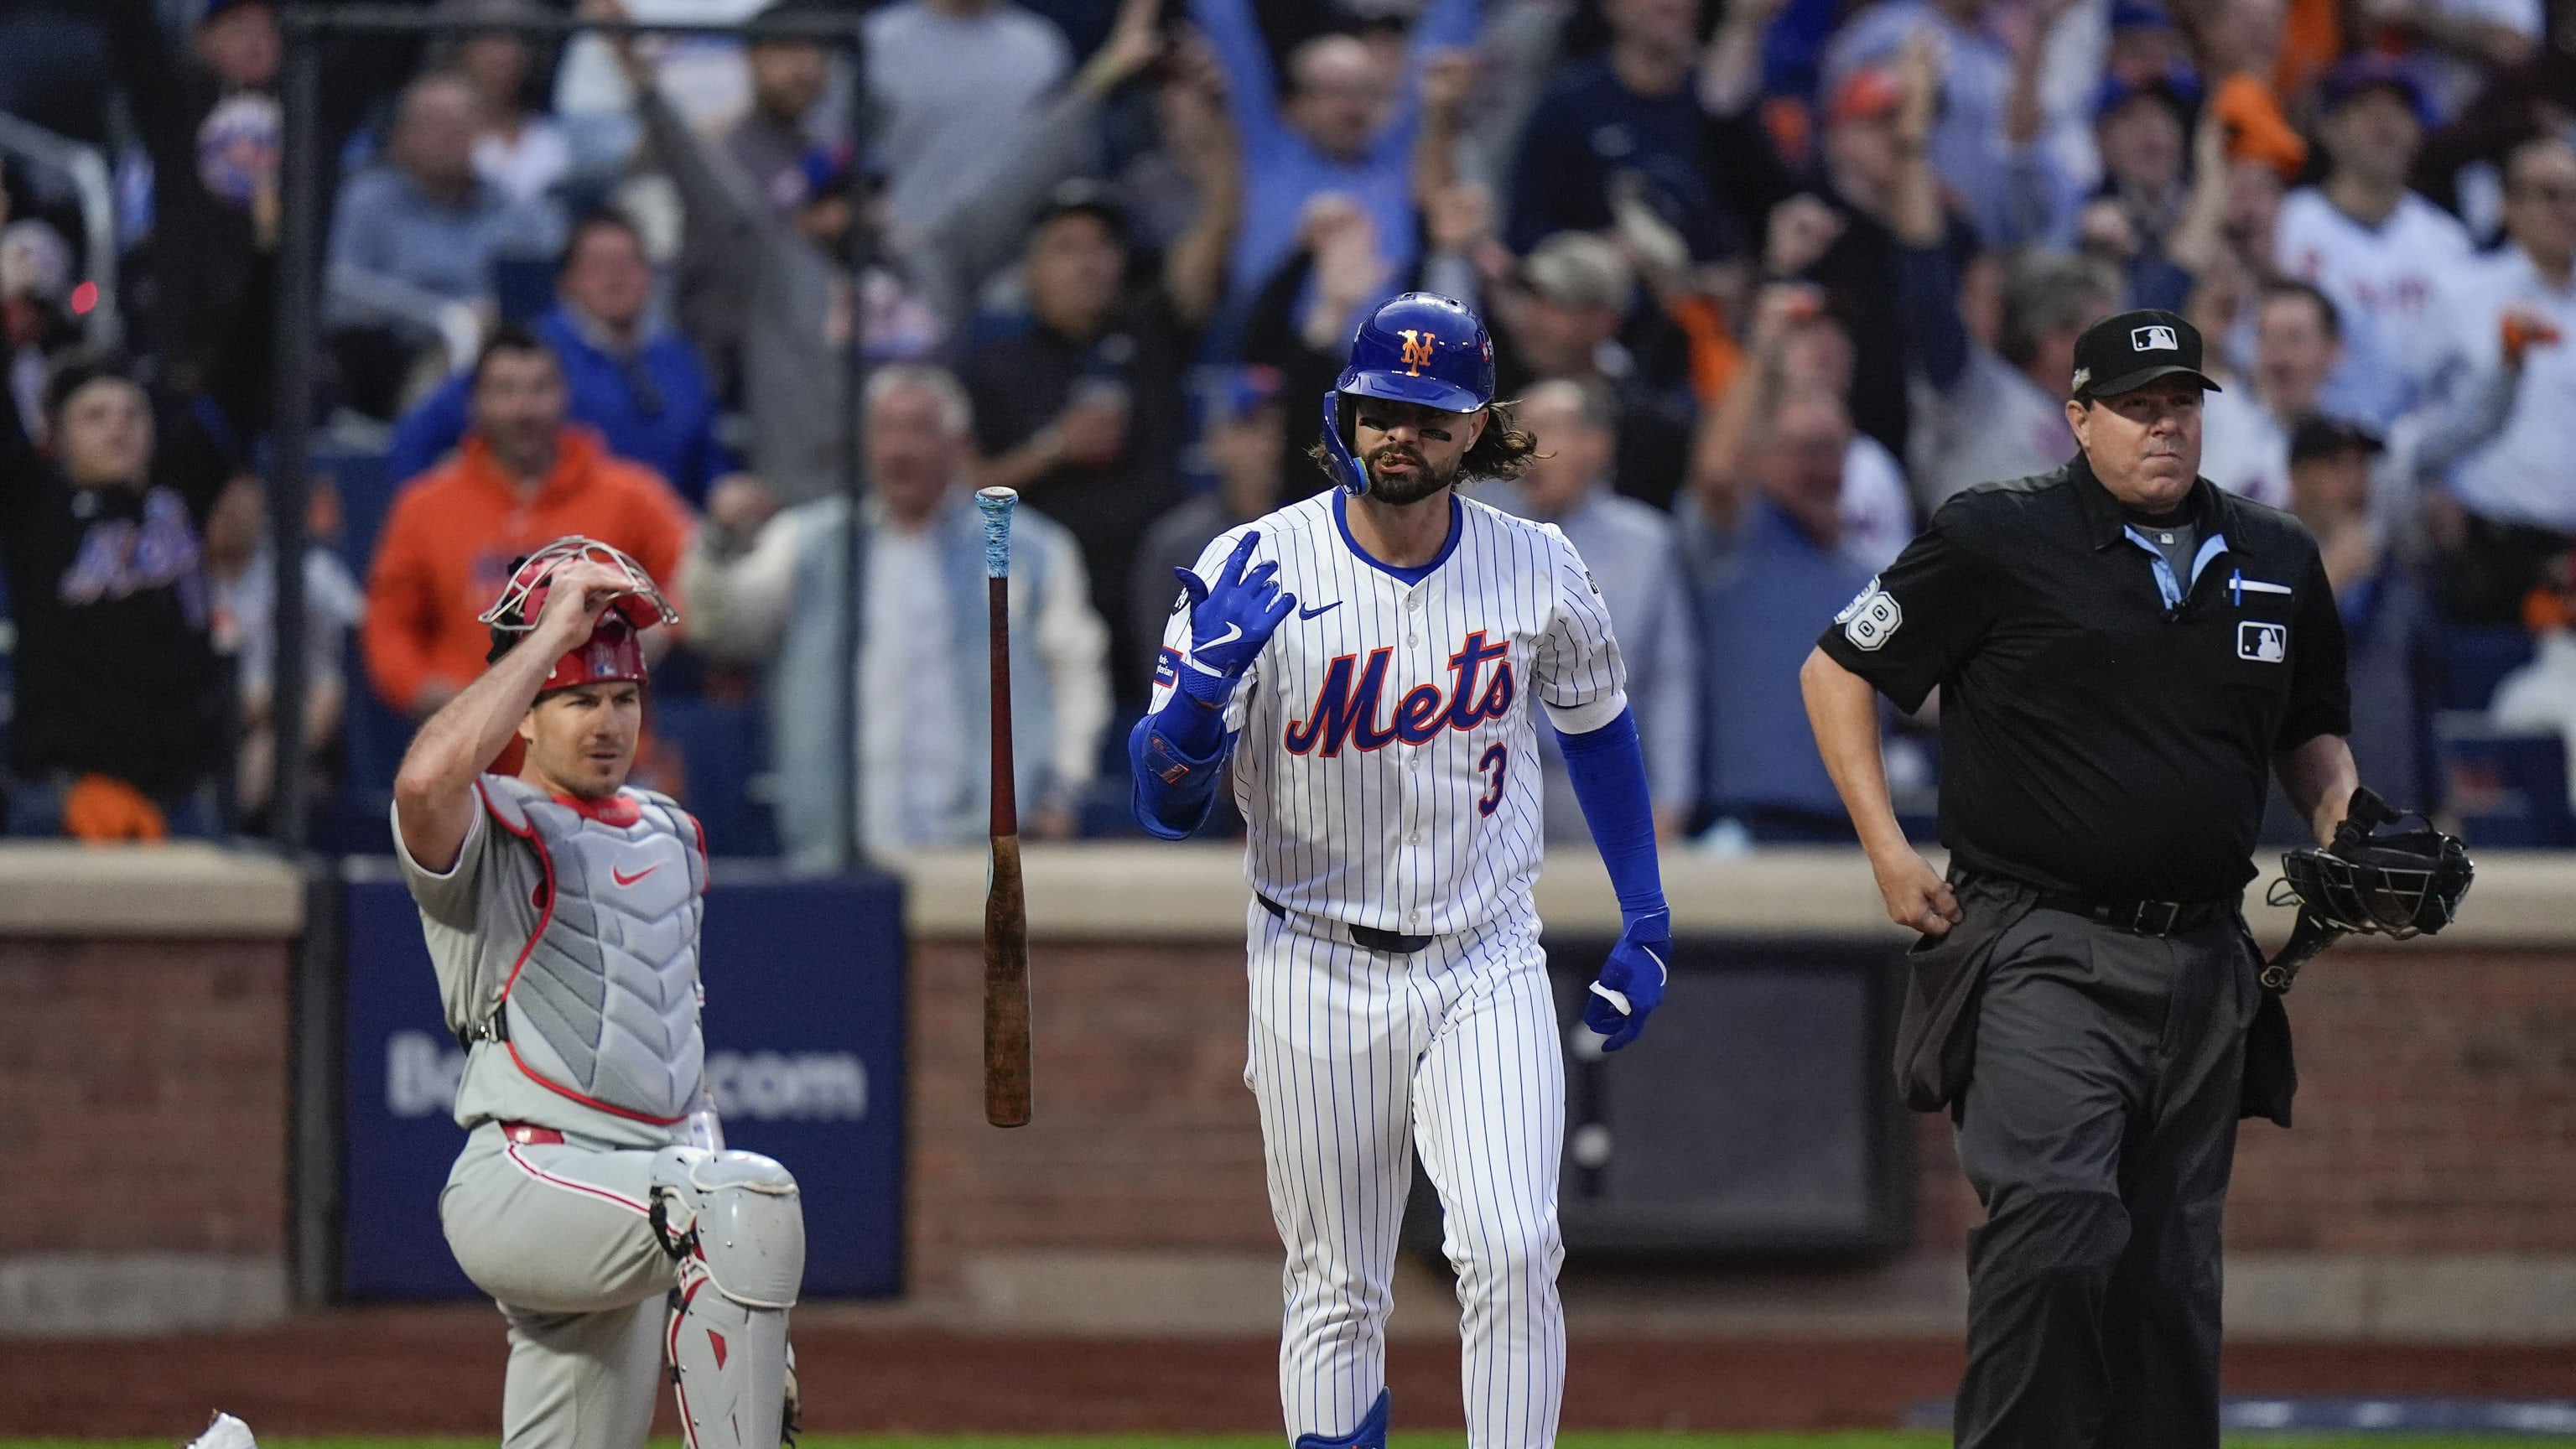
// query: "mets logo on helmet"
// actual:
[[1417, 350]]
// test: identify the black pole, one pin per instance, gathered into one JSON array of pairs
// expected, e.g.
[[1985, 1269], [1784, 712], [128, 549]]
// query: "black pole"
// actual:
[[289, 489], [318, 1026]]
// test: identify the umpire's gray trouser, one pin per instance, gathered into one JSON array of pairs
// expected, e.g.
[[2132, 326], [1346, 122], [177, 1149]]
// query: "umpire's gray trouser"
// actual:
[[2098, 1128], [558, 1235]]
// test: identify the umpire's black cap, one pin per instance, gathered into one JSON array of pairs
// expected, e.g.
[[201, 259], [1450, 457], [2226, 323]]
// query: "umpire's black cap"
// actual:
[[2125, 352]]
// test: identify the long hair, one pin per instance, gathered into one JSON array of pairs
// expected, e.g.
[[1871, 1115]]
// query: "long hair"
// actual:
[[1501, 451]]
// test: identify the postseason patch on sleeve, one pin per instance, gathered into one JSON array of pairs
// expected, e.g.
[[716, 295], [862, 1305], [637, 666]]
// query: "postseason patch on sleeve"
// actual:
[[1167, 667]]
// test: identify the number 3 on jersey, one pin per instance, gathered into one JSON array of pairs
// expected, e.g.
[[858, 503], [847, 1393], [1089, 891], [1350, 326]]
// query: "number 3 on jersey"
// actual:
[[1498, 760]]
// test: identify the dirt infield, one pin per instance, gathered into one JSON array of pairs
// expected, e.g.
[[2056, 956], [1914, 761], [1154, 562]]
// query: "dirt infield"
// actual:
[[438, 1370]]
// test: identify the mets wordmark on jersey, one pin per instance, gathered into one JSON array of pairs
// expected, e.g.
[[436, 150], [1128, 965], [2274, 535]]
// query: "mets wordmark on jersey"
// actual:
[[1385, 755]]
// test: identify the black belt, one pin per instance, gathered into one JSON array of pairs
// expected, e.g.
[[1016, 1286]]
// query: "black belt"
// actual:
[[1369, 936], [2146, 918]]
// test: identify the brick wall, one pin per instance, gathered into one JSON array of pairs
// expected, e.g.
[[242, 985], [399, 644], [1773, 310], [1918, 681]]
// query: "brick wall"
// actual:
[[2436, 1111], [1143, 1134], [144, 1095], [2436, 1114], [145, 1091]]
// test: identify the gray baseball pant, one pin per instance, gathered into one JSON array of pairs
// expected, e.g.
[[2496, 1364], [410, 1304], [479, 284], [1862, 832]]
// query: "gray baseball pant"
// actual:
[[2098, 1128], [558, 1235]]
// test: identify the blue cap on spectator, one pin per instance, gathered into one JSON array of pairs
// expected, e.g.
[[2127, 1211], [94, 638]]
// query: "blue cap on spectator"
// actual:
[[2369, 71], [1243, 391], [2137, 15], [2178, 88], [214, 8]]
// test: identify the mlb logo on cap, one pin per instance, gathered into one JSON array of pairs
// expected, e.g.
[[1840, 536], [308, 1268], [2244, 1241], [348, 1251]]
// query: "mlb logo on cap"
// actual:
[[2123, 353]]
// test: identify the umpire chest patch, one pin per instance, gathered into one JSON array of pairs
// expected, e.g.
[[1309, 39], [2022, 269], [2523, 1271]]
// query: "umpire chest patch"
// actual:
[[1871, 619], [2263, 643]]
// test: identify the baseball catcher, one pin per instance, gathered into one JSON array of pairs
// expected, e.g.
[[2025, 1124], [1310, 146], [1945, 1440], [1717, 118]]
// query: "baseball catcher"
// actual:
[[2409, 883], [562, 913]]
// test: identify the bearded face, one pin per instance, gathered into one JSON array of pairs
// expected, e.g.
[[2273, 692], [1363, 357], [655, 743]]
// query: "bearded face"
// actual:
[[1399, 475], [1411, 452]]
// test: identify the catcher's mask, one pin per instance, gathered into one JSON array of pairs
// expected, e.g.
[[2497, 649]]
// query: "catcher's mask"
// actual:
[[2399, 884], [613, 652]]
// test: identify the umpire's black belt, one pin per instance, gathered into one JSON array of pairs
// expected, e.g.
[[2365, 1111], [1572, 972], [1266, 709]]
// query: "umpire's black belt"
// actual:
[[1369, 936], [2146, 918]]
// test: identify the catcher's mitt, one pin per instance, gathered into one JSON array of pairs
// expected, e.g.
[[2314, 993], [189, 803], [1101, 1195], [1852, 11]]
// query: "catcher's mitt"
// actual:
[[2400, 884]]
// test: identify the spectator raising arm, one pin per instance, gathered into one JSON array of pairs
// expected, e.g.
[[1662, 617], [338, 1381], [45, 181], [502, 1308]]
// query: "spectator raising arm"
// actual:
[[1202, 141], [1250, 86], [1446, 82], [1730, 70], [1442, 26], [1718, 453], [740, 571], [1927, 280], [1339, 131], [2038, 192], [2200, 233]]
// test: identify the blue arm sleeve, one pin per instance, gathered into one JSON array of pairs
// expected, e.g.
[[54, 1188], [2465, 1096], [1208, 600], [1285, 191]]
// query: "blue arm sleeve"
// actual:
[[1176, 757], [1608, 770]]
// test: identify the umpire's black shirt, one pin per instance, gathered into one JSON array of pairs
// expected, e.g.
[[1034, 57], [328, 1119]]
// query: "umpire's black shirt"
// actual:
[[2095, 738]]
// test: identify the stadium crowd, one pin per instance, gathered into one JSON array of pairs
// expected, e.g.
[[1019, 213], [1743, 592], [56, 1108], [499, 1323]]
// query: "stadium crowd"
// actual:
[[1771, 280]]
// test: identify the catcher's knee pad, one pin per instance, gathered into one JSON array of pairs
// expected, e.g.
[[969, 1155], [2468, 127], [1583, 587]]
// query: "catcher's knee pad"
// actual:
[[733, 1222], [1371, 1434]]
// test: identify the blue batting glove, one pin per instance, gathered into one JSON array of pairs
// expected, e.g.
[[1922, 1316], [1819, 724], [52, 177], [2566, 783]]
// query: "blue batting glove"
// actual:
[[1231, 618], [1631, 984]]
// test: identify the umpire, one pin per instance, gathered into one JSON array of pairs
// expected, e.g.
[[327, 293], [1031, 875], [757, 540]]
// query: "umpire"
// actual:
[[2124, 655]]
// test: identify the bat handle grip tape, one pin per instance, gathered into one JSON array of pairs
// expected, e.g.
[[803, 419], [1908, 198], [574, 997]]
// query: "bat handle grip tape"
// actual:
[[996, 505]]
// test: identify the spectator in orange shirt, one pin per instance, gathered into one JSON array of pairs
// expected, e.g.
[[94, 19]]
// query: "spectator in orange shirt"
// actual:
[[521, 479]]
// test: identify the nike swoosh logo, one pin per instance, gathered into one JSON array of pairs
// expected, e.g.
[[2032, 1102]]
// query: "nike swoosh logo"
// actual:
[[1232, 633], [1319, 609], [622, 878]]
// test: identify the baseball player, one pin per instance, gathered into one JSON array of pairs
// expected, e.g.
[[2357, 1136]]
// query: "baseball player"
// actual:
[[562, 913], [1368, 659]]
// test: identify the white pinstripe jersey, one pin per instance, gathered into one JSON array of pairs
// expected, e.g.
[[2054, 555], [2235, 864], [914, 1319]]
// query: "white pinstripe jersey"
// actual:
[[1387, 759]]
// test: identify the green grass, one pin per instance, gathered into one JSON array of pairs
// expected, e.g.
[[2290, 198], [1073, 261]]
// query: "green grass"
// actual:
[[1870, 1440]]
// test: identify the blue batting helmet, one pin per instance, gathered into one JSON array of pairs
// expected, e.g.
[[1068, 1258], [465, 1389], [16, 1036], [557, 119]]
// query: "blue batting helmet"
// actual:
[[1419, 348]]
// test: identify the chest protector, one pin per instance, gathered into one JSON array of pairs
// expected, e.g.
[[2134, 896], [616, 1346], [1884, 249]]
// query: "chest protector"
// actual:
[[602, 1005]]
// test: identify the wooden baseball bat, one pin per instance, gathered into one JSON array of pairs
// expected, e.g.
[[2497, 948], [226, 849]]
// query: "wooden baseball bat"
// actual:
[[1006, 919]]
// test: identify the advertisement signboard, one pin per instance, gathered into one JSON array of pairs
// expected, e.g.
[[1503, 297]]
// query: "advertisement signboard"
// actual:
[[805, 1055]]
